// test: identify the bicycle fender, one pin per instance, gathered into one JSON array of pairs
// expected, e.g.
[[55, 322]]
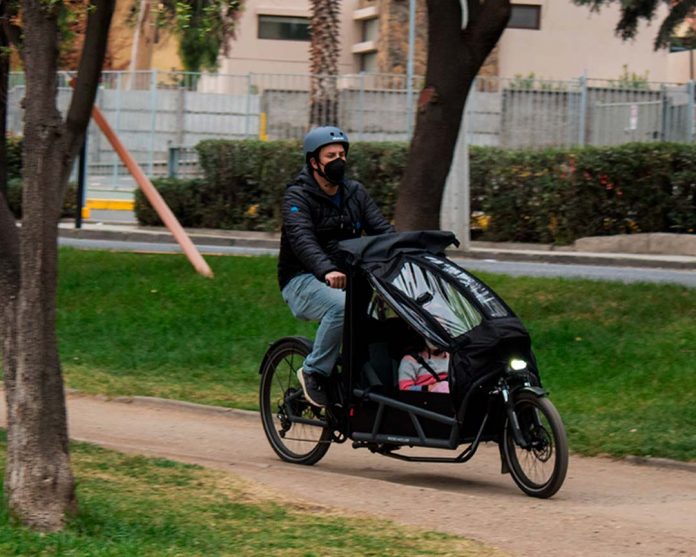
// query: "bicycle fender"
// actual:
[[537, 391], [304, 340]]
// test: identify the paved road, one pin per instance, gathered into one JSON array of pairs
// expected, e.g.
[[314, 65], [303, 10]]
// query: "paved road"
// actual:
[[514, 268], [594, 272], [605, 508]]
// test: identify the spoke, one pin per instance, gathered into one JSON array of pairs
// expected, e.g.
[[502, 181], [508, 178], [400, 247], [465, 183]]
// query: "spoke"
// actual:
[[289, 365], [538, 465], [280, 385], [291, 368]]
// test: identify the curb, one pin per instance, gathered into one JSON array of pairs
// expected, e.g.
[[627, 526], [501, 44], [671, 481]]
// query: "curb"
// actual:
[[537, 256], [187, 406], [166, 238], [605, 260], [151, 401], [661, 463], [254, 415]]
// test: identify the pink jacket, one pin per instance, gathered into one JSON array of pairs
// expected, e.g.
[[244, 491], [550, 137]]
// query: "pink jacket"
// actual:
[[413, 376]]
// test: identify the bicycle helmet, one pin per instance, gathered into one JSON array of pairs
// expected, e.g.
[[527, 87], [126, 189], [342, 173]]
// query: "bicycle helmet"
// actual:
[[324, 135]]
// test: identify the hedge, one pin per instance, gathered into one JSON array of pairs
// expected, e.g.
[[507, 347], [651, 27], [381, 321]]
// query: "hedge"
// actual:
[[14, 182], [245, 181], [559, 195], [14, 157], [548, 196]]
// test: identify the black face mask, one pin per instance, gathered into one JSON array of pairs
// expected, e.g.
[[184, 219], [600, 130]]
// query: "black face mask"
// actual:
[[335, 171]]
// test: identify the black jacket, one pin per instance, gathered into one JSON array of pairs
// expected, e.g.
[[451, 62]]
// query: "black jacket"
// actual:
[[313, 225]]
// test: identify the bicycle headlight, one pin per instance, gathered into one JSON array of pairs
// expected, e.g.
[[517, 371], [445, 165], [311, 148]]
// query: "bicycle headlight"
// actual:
[[516, 364]]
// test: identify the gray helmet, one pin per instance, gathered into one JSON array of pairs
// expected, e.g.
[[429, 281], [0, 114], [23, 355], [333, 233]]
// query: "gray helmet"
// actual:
[[325, 135]]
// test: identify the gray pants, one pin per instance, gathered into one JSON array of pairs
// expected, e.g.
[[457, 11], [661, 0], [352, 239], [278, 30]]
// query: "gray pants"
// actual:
[[312, 300]]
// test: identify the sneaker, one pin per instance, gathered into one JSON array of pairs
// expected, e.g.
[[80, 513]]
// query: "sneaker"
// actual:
[[313, 387]]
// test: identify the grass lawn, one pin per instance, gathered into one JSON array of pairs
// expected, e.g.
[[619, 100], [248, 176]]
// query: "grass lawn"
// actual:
[[619, 360], [138, 507]]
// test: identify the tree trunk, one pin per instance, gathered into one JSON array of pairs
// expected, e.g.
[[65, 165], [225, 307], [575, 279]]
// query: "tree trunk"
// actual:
[[39, 481], [143, 46], [4, 85], [39, 484], [324, 51], [455, 56]]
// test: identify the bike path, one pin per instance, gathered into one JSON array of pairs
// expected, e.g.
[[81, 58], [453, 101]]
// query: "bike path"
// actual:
[[605, 507]]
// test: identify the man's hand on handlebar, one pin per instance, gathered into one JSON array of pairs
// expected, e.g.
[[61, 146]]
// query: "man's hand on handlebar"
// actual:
[[335, 279]]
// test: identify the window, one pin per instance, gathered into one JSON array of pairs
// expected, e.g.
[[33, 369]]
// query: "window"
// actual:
[[525, 16], [490, 302], [438, 298], [283, 28], [368, 62], [370, 29]]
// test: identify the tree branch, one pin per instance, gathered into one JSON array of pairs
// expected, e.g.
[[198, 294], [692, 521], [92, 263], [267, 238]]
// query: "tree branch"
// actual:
[[473, 8], [483, 32], [631, 13], [446, 12], [444, 32], [89, 73], [678, 14]]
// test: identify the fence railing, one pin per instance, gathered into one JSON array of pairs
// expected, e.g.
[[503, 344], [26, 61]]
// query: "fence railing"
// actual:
[[154, 112]]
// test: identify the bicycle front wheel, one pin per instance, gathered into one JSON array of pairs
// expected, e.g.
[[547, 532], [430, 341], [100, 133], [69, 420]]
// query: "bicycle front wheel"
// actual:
[[297, 431], [540, 467]]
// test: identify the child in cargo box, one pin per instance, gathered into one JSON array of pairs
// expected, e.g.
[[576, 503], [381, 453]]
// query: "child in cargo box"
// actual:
[[425, 370]]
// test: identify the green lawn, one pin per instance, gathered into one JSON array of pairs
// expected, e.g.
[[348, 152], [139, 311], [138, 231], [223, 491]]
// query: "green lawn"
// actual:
[[619, 360], [138, 507]]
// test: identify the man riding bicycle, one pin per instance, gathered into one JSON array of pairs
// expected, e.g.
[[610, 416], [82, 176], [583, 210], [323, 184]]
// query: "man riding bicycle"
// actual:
[[321, 208]]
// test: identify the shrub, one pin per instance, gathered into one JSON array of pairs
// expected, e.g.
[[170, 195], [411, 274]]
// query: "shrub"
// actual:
[[14, 157], [379, 167], [245, 181], [548, 196], [559, 195], [14, 199], [14, 182]]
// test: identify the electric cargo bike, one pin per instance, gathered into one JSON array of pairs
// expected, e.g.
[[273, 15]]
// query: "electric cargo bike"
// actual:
[[402, 291]]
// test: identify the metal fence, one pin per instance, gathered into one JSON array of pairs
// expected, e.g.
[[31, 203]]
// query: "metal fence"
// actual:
[[519, 113], [161, 116]]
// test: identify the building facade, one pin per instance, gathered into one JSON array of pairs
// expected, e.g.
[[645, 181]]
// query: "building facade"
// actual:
[[551, 39]]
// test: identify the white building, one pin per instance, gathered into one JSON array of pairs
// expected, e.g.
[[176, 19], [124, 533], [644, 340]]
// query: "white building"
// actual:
[[553, 39]]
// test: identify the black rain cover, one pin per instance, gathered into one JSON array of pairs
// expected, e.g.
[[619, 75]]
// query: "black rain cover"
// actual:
[[485, 348], [379, 249]]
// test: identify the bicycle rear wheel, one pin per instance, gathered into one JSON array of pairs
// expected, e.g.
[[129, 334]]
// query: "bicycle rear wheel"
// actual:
[[538, 469], [297, 431]]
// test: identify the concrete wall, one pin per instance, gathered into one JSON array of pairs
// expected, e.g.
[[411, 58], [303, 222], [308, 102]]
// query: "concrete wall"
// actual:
[[367, 115], [681, 66]]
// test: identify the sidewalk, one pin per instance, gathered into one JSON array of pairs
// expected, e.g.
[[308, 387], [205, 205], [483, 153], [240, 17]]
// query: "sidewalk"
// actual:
[[594, 252]]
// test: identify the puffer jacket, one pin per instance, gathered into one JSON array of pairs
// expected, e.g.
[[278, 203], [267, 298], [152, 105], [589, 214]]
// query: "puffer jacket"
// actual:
[[313, 225]]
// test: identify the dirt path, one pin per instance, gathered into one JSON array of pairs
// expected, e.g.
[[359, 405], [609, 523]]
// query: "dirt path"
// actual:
[[605, 508]]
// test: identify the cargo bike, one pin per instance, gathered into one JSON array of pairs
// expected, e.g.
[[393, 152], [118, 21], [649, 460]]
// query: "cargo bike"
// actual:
[[402, 292]]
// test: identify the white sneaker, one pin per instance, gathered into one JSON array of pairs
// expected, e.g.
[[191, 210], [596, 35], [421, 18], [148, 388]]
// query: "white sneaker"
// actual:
[[313, 387]]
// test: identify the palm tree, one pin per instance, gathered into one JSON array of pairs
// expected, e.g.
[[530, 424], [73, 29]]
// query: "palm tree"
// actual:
[[324, 50]]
